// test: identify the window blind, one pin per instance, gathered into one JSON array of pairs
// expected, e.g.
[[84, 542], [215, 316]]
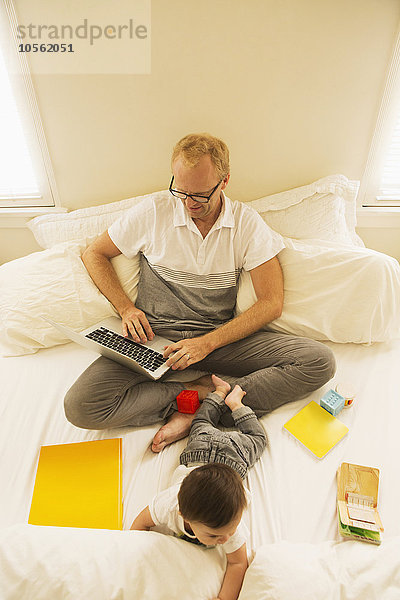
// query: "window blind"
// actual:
[[17, 177], [26, 174], [381, 182], [389, 187]]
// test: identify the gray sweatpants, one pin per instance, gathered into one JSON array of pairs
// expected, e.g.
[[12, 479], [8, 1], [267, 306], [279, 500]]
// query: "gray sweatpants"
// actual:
[[207, 444], [273, 368]]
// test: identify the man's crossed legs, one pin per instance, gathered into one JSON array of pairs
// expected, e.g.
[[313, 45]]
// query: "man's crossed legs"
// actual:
[[273, 368]]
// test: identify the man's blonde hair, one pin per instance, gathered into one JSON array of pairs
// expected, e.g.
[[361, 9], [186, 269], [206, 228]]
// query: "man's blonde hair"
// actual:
[[195, 145]]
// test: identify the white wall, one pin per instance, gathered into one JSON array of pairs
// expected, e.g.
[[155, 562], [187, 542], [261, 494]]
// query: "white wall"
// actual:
[[293, 87]]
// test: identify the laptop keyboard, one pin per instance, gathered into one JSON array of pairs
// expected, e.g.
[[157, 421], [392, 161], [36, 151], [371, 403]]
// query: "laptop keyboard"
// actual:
[[146, 357]]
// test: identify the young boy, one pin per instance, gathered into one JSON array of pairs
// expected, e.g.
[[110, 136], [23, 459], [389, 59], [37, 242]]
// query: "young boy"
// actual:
[[206, 508]]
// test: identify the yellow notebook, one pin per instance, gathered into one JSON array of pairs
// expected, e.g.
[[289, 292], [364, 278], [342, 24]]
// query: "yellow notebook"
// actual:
[[316, 429], [79, 485]]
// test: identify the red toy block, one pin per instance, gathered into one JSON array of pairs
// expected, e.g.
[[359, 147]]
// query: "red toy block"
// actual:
[[188, 401]]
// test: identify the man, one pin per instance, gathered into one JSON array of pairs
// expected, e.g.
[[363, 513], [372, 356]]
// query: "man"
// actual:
[[193, 244]]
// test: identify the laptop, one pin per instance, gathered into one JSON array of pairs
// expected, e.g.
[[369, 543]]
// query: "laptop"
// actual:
[[106, 338]]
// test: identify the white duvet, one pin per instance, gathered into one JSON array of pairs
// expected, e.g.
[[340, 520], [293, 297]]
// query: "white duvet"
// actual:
[[49, 563], [291, 517]]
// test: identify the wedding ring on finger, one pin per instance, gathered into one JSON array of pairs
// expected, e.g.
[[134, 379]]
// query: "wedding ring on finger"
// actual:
[[188, 356]]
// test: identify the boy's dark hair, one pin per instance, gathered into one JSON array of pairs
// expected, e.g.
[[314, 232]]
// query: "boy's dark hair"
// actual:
[[212, 494]]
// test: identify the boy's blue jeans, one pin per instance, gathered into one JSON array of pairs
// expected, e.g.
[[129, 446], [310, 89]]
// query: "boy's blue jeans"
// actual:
[[238, 449]]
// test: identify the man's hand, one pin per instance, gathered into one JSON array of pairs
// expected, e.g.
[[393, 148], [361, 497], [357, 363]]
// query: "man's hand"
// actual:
[[134, 321], [184, 353]]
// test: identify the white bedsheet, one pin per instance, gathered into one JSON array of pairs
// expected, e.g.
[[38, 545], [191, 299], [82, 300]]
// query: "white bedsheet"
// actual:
[[293, 493]]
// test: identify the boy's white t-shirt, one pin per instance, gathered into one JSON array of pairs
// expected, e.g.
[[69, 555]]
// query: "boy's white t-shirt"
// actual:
[[164, 511]]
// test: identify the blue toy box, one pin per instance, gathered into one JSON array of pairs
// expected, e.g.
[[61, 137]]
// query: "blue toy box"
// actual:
[[332, 402]]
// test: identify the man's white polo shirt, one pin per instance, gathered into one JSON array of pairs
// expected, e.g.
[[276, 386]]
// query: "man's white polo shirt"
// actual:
[[187, 282]]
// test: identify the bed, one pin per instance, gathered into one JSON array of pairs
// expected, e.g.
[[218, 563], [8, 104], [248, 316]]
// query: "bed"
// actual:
[[298, 553]]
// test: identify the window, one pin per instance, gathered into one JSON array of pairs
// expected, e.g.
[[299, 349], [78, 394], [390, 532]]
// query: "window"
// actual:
[[26, 177], [389, 187], [381, 182]]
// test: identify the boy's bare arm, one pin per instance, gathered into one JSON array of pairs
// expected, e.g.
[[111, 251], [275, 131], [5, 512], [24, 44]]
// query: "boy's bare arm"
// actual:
[[143, 521], [234, 574]]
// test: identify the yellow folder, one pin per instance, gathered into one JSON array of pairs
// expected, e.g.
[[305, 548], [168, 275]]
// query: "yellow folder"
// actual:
[[79, 485], [316, 429]]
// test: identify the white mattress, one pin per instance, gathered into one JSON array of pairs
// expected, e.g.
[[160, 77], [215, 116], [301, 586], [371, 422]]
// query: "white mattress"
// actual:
[[293, 493]]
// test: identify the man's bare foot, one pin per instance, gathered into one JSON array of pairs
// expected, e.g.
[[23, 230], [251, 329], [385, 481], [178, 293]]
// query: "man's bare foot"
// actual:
[[203, 385], [221, 387], [234, 399], [178, 425], [176, 428]]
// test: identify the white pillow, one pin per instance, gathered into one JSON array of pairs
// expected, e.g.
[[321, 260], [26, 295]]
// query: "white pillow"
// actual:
[[59, 563], [325, 209], [53, 283], [349, 570], [334, 292], [82, 225]]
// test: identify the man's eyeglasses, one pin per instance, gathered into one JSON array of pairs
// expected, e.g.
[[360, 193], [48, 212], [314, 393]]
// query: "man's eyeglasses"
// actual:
[[202, 198]]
